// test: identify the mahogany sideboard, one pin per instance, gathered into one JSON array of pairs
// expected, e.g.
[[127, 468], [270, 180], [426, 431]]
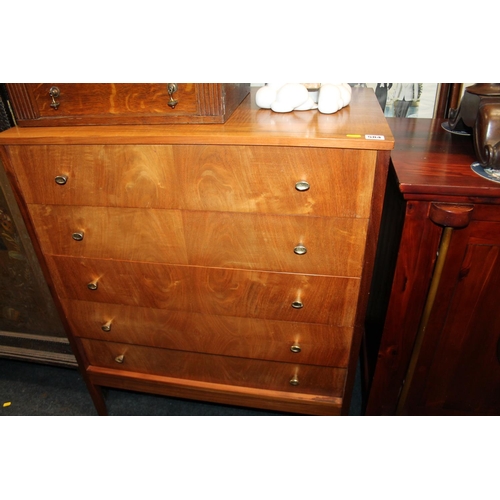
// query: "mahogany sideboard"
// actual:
[[226, 262], [438, 350]]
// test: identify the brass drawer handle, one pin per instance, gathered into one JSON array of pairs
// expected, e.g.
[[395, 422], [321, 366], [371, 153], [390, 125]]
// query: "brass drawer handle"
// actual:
[[300, 250], [61, 179], [106, 327], [92, 285], [54, 92], [294, 381], [78, 236], [297, 304], [120, 359], [172, 87], [295, 348], [302, 186]]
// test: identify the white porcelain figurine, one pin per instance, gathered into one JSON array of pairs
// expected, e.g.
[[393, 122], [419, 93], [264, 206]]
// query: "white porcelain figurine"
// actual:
[[286, 97]]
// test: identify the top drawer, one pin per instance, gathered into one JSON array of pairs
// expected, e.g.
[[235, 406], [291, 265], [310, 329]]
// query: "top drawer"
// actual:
[[259, 179], [62, 104]]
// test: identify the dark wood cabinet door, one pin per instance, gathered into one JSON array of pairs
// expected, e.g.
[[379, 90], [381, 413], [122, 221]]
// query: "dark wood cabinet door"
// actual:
[[459, 366]]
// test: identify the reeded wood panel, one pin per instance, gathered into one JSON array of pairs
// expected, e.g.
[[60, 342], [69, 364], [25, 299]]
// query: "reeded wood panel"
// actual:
[[334, 246], [25, 105], [220, 178], [231, 336], [217, 369], [228, 292]]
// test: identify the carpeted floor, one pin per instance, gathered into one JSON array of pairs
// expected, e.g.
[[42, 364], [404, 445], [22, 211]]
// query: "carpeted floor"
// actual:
[[35, 389]]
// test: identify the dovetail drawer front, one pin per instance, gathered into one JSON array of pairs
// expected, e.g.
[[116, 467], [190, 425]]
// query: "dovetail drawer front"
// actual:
[[332, 246], [285, 341], [230, 292], [258, 179], [320, 380]]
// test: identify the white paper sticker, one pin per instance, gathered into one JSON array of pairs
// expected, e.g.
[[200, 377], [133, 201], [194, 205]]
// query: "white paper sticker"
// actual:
[[375, 137]]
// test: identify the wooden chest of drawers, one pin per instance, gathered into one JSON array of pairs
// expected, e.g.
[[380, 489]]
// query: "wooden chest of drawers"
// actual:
[[225, 262]]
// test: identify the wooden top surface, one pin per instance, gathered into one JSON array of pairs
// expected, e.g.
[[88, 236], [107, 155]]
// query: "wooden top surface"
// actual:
[[248, 125], [430, 160]]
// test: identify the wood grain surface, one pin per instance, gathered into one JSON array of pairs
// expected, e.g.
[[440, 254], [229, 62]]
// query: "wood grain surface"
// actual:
[[228, 335], [320, 380], [230, 292], [84, 104], [239, 179], [457, 371], [334, 246], [189, 248], [353, 127]]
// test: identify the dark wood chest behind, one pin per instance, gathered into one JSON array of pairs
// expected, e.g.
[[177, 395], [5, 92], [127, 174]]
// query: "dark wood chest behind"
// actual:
[[438, 352]]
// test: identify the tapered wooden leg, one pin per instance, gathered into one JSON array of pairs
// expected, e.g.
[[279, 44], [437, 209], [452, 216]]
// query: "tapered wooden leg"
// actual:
[[97, 395]]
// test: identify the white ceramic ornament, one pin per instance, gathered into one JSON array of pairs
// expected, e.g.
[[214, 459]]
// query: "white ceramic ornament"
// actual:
[[290, 97], [266, 95], [286, 97], [329, 99], [345, 93]]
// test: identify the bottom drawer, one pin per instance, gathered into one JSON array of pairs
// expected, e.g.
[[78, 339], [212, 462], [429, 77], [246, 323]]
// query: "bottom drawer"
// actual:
[[226, 370]]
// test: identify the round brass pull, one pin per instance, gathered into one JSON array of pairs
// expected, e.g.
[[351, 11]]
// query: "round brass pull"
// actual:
[[294, 381], [92, 285], [78, 236], [300, 250], [297, 304], [302, 186], [120, 358], [61, 179], [295, 348], [106, 327]]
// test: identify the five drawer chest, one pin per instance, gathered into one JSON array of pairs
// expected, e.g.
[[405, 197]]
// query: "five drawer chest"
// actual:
[[225, 262]]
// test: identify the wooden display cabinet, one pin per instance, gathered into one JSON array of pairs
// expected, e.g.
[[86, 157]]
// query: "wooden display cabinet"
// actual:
[[438, 352]]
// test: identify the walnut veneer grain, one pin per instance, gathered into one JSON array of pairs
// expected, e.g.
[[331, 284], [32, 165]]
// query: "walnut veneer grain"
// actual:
[[189, 248]]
